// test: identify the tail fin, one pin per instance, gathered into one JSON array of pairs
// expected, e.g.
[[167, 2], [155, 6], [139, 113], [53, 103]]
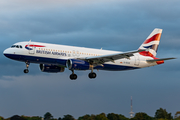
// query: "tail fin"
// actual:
[[152, 43]]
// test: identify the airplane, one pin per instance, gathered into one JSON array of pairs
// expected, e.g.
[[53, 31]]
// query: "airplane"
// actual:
[[55, 58]]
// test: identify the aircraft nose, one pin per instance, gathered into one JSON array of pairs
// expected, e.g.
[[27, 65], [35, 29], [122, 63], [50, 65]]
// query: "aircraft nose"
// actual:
[[9, 53], [6, 52]]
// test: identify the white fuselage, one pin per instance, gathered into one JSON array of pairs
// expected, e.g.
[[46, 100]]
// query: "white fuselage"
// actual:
[[44, 53]]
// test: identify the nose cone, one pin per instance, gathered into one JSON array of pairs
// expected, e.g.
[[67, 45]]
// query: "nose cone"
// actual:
[[7, 52]]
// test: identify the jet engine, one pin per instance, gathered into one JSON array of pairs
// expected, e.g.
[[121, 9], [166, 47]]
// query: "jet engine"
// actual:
[[74, 64], [51, 68]]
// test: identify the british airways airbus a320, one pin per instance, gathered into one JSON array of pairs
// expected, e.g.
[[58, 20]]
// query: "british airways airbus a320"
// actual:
[[55, 58]]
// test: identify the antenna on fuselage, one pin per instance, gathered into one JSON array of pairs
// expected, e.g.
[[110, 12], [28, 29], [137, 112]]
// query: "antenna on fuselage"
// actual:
[[30, 40]]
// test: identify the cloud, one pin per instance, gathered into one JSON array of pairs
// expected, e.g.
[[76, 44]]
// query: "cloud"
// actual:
[[102, 21]]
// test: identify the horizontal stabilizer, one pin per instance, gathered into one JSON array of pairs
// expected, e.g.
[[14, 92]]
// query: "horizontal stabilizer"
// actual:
[[155, 60]]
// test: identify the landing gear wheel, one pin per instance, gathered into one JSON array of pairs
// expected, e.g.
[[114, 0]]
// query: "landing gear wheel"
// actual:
[[92, 75], [26, 70], [73, 76], [27, 66]]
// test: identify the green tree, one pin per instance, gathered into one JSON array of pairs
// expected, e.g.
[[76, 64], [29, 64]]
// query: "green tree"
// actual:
[[36, 118], [93, 117], [177, 116], [101, 116], [1, 118], [122, 117], [59, 118], [162, 113], [17, 117], [142, 116], [112, 116], [68, 117], [85, 117], [48, 116], [31, 118]]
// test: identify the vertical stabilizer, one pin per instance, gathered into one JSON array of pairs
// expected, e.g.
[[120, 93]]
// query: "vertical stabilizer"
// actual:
[[152, 43]]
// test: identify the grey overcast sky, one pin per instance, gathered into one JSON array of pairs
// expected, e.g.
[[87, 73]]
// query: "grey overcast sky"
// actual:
[[120, 25]]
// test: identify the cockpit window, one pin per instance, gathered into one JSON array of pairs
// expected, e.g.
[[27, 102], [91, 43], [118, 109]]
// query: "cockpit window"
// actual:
[[13, 46], [16, 46]]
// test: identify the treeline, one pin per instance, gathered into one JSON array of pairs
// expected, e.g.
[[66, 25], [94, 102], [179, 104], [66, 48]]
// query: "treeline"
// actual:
[[160, 114]]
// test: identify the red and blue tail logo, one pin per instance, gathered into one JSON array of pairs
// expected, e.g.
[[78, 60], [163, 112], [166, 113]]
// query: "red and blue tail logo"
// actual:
[[151, 43], [30, 47]]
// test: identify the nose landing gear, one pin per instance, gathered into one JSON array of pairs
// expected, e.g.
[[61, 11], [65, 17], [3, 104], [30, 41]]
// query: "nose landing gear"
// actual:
[[26, 70], [27, 66]]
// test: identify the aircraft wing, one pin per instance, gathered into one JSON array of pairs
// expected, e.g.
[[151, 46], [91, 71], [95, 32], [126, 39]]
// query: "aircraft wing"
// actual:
[[110, 57]]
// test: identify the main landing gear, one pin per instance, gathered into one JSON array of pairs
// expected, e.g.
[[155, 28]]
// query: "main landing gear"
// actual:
[[73, 76], [91, 75], [27, 66]]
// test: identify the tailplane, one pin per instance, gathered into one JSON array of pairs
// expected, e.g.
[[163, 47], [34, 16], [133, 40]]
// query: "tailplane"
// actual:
[[151, 43]]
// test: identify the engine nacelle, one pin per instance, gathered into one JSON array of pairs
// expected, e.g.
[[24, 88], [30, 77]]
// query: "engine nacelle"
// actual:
[[74, 64], [51, 68]]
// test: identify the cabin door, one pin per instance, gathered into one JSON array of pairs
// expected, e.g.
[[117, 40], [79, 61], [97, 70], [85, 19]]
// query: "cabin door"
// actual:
[[31, 48], [136, 60]]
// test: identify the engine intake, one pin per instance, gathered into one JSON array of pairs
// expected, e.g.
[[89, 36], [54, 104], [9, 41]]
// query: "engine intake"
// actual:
[[51, 68], [74, 64]]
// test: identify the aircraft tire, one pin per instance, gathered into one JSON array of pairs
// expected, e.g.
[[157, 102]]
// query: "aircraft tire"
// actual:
[[73, 76], [26, 70], [92, 75]]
